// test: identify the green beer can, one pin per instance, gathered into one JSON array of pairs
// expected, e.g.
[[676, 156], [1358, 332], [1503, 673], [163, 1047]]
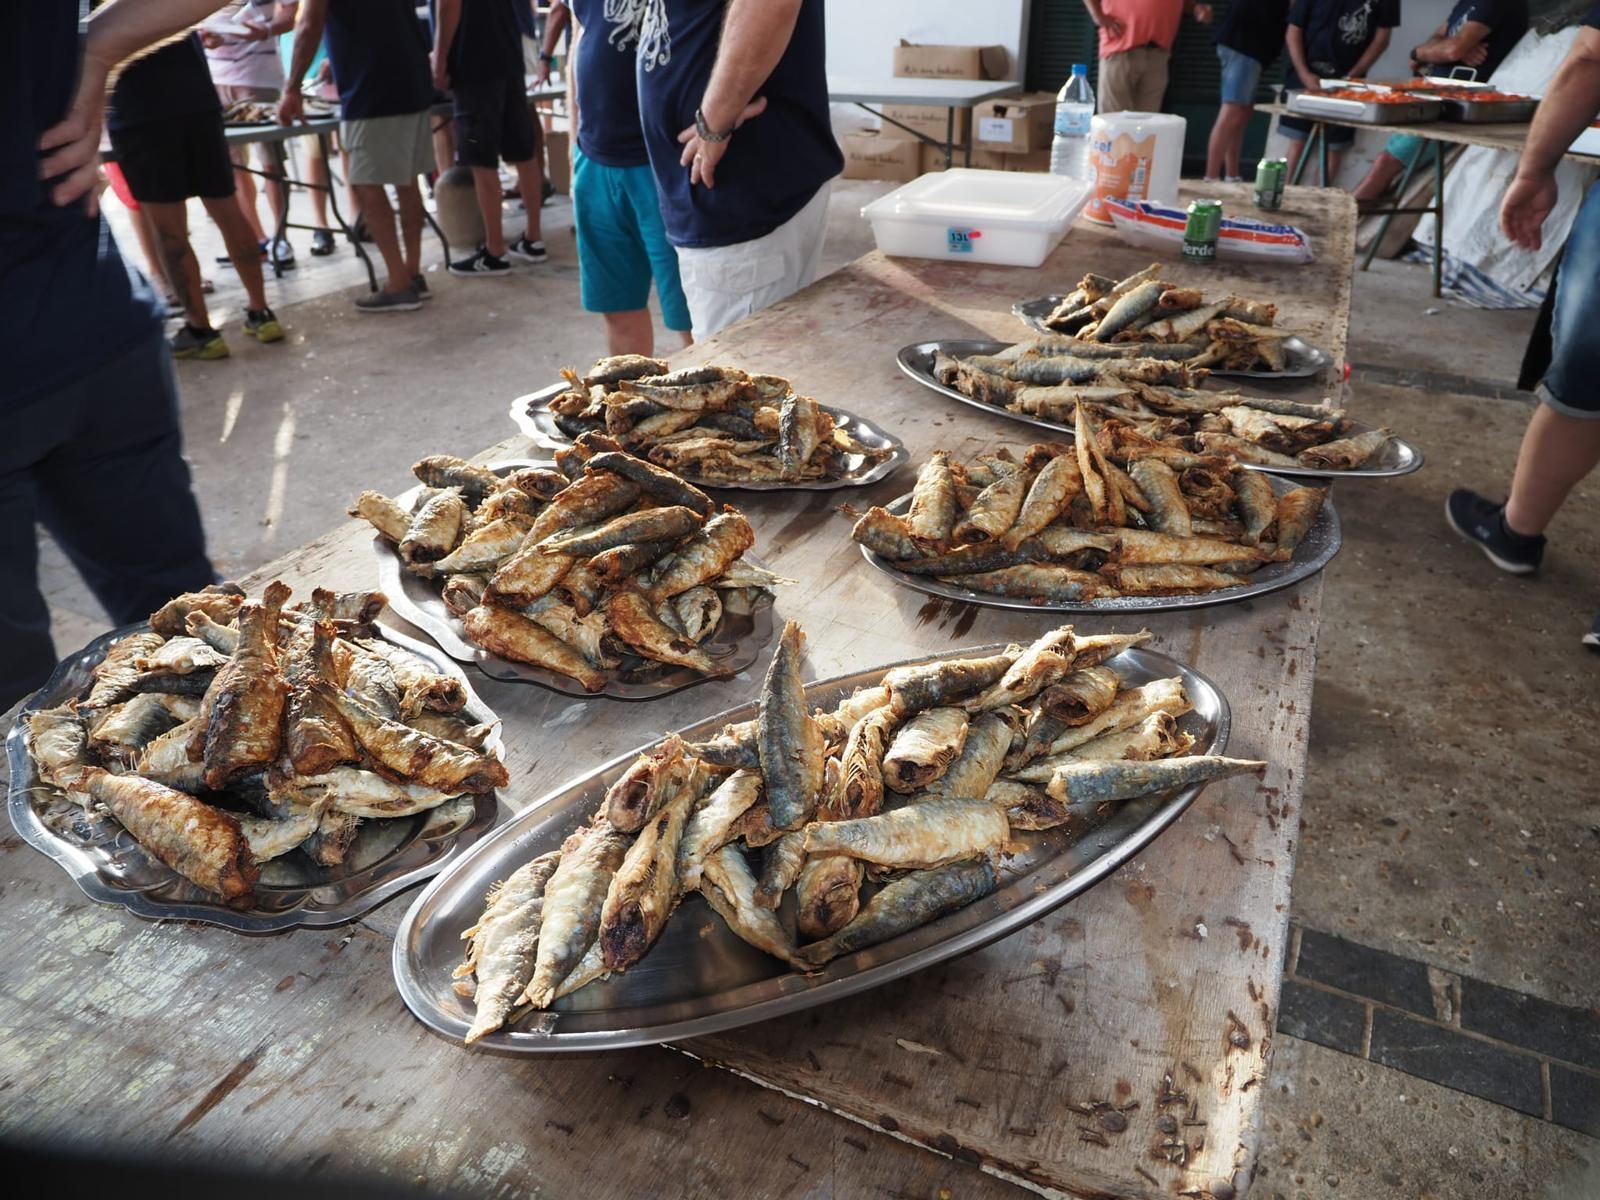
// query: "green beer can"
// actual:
[[1270, 175], [1200, 233]]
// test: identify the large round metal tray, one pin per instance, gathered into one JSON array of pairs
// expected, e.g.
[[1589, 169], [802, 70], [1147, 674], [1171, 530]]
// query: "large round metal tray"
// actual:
[[111, 867], [530, 415], [736, 643], [1398, 457], [1303, 359], [1321, 543], [699, 978]]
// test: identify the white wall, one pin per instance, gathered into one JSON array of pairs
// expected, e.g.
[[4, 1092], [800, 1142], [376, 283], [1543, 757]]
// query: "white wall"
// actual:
[[862, 33]]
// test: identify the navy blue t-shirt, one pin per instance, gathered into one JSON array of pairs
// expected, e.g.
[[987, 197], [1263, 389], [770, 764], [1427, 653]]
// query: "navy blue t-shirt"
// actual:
[[1338, 32], [1255, 28], [608, 86], [1507, 21], [379, 57], [69, 304], [773, 165], [173, 81], [488, 42]]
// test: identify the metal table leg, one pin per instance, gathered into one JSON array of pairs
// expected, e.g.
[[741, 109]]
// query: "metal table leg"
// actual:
[[1305, 155], [950, 140], [333, 207], [280, 159], [1322, 170], [1438, 216], [1389, 216]]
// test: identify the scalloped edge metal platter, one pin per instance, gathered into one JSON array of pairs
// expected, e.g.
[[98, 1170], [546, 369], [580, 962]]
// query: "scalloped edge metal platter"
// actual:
[[699, 978], [1399, 457], [737, 641], [530, 416], [110, 866]]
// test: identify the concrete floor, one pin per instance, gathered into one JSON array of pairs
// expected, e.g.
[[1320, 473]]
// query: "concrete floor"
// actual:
[[1450, 814]]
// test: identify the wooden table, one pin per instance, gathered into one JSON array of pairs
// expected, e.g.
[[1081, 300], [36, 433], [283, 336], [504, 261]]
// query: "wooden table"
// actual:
[[1155, 993], [949, 94], [1508, 137]]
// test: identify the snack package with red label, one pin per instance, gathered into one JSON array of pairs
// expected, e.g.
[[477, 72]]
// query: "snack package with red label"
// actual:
[[1160, 227]]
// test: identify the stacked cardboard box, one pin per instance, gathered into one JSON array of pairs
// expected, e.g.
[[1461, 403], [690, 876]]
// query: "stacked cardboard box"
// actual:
[[870, 159], [869, 154]]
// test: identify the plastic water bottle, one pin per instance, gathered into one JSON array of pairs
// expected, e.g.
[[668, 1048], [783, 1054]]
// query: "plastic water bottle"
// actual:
[[1069, 149]]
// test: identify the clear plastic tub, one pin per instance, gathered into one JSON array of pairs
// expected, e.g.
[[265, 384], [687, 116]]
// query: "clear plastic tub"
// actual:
[[1007, 217]]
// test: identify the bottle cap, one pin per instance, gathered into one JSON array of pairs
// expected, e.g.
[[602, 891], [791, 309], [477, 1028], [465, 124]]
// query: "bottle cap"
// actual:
[[1080, 69]]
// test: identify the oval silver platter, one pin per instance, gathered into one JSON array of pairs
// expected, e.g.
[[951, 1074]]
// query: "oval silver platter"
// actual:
[[699, 978], [1321, 543], [1397, 457], [1302, 358], [737, 641], [111, 867], [530, 415]]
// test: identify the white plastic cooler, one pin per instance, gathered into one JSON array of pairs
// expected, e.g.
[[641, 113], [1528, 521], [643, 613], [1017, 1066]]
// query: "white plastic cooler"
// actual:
[[1006, 217]]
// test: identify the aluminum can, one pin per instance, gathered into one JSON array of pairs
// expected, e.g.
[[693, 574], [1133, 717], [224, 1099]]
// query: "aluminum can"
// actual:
[[1200, 233]]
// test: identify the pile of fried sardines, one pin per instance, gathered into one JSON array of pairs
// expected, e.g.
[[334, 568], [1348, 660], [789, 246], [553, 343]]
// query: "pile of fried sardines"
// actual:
[[1065, 523], [880, 815], [574, 569], [1171, 322], [711, 424], [237, 730]]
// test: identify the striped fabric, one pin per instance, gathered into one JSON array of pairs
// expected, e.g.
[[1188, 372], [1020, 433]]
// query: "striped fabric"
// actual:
[[1464, 282]]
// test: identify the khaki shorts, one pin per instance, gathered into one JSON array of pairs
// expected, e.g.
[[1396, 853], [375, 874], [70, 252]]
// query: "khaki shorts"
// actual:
[[1134, 80], [389, 149]]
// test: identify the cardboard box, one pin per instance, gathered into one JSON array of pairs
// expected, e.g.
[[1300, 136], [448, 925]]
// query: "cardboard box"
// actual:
[[982, 160], [558, 160], [1018, 124], [926, 119], [950, 62], [1034, 160], [872, 155]]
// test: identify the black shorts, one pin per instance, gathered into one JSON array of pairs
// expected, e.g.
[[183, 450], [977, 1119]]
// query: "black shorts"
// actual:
[[493, 123], [170, 160]]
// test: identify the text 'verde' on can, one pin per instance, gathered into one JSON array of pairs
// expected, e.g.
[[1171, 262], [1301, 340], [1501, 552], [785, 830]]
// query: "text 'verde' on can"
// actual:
[[1201, 230]]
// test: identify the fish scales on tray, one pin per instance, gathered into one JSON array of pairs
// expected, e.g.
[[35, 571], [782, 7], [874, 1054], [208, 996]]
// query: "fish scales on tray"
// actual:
[[894, 808], [581, 576]]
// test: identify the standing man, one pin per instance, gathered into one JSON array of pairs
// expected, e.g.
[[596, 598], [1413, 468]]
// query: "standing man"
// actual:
[[1562, 443], [165, 125], [1248, 42], [1136, 39], [245, 66], [734, 98], [622, 242], [477, 57], [380, 62], [1478, 34], [1333, 39], [90, 444]]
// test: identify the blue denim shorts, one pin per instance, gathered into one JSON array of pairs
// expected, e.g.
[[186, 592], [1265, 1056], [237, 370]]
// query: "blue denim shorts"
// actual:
[[1298, 129], [1240, 75], [622, 242], [1572, 384]]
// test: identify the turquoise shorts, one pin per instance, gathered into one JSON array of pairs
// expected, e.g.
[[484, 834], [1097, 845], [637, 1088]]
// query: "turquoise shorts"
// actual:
[[1404, 146], [622, 243]]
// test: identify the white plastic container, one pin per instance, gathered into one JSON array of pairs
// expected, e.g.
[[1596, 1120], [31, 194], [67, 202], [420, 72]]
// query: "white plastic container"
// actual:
[[1007, 217]]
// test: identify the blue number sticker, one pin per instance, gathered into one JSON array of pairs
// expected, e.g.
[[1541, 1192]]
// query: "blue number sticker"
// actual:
[[959, 241]]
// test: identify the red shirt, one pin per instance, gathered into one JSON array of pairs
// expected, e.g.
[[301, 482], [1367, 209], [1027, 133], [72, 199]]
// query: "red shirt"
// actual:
[[1144, 22]]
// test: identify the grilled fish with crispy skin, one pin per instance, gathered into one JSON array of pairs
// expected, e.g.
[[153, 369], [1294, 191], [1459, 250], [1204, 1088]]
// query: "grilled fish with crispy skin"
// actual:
[[242, 710], [924, 748], [644, 890], [631, 619], [435, 529], [504, 944], [201, 843], [520, 639], [411, 756], [572, 904], [710, 825], [703, 556], [907, 903], [729, 888], [788, 739], [1096, 782]]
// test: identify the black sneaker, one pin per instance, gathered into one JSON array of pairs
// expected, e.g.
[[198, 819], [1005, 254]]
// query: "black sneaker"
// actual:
[[224, 260], [1592, 638], [1483, 521], [321, 243], [527, 250], [481, 264], [388, 302], [262, 325], [419, 285], [546, 190], [193, 342]]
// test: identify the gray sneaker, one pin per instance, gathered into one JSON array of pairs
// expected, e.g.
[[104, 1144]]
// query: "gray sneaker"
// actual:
[[389, 302], [419, 285]]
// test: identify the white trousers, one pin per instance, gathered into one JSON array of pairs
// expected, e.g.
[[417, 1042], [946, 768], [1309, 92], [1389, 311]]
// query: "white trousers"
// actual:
[[724, 284]]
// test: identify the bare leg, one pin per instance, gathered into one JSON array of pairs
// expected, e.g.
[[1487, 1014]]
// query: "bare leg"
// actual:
[[1557, 452], [686, 337], [150, 246], [444, 147], [1227, 138], [630, 332], [244, 187], [486, 184], [374, 203], [235, 230], [171, 224], [411, 221], [1291, 158], [317, 175], [530, 181], [1384, 171], [1335, 158], [274, 187]]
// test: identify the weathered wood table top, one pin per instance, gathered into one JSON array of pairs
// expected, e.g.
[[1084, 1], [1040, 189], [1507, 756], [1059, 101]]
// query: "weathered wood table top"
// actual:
[[1117, 1047]]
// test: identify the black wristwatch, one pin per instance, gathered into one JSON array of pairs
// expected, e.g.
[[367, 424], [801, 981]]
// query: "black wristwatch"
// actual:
[[706, 133], [548, 58]]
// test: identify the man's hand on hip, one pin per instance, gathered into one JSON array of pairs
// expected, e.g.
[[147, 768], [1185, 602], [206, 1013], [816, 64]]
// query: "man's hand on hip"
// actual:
[[701, 156]]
